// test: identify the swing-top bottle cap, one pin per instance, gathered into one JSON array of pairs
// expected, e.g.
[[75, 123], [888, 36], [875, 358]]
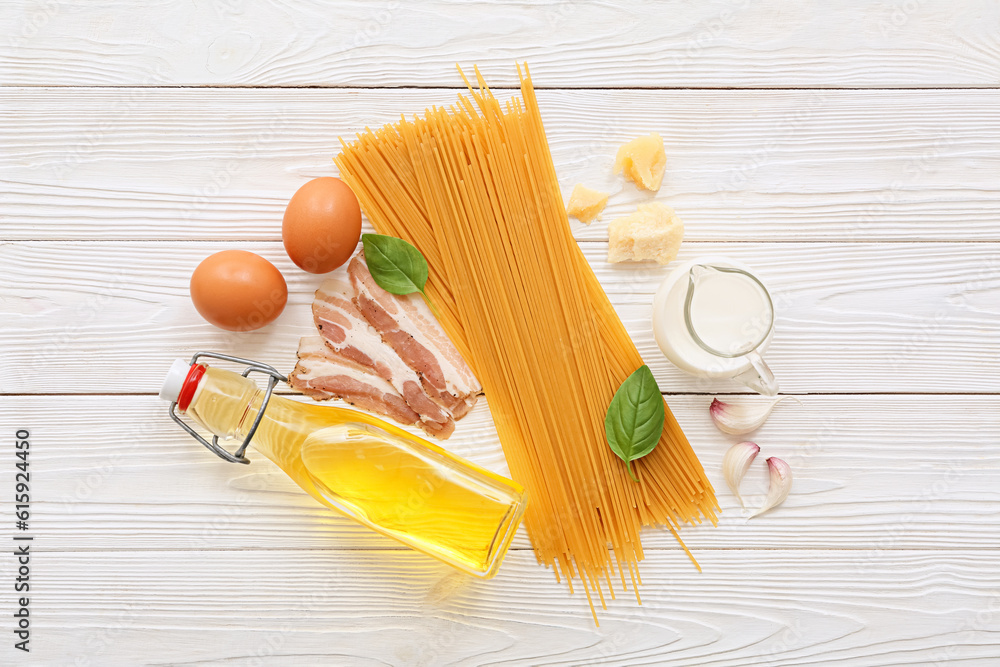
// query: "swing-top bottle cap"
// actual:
[[184, 380], [174, 382]]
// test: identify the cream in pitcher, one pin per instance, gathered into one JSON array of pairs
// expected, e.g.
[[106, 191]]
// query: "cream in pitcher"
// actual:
[[713, 318]]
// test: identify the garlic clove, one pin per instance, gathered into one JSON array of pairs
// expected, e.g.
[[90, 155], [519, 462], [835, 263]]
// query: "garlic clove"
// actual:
[[735, 464], [779, 486], [741, 416]]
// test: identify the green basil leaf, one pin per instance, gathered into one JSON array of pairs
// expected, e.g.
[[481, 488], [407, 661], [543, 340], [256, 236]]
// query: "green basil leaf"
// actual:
[[634, 422], [396, 265]]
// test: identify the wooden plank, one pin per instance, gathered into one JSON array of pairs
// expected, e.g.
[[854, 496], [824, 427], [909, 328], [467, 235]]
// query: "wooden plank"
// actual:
[[110, 316], [392, 43], [762, 165], [392, 608], [872, 473]]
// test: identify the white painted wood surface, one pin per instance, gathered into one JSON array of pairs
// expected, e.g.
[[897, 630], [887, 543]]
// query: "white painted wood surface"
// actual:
[[856, 317], [646, 43], [804, 165], [106, 453], [135, 142]]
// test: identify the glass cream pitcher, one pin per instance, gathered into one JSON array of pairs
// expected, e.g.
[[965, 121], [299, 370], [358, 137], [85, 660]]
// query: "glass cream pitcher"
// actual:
[[713, 318]]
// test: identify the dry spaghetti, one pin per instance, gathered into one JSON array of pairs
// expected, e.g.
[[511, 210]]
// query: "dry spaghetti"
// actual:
[[474, 187]]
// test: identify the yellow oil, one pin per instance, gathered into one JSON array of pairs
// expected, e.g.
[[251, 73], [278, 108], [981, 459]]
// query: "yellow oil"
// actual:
[[383, 477]]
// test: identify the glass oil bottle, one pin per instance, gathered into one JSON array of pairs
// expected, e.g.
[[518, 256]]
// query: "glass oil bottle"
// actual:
[[395, 483]]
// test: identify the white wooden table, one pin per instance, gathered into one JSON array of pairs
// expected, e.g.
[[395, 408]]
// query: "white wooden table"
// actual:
[[849, 151]]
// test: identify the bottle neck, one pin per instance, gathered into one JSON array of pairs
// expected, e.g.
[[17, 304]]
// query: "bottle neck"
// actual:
[[225, 403]]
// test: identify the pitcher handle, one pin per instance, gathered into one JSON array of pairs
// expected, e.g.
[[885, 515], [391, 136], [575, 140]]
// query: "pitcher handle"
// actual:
[[759, 376]]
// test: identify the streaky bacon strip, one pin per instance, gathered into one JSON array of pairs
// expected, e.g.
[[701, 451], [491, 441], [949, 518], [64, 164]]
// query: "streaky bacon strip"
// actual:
[[350, 337], [407, 325], [321, 376]]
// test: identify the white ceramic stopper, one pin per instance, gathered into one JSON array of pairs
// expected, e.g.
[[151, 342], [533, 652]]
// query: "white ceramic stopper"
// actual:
[[175, 380]]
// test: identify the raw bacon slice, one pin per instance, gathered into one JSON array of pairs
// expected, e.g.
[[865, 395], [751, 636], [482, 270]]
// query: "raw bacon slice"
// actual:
[[322, 376], [349, 336], [407, 325]]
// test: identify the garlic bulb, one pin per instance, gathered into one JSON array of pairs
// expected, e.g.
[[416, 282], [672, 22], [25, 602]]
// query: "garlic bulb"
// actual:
[[741, 416], [778, 487], [735, 464]]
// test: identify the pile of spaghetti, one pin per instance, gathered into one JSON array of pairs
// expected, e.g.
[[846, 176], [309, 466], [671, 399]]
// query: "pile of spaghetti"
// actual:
[[474, 188]]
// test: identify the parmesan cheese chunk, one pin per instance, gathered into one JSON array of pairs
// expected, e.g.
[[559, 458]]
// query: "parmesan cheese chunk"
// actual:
[[586, 204], [654, 232], [643, 161]]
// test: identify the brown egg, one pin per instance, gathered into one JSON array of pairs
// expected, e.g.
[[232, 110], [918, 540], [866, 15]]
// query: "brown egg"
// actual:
[[237, 290], [322, 225]]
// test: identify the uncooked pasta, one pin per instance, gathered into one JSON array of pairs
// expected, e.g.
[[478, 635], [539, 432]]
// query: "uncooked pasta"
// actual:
[[473, 186]]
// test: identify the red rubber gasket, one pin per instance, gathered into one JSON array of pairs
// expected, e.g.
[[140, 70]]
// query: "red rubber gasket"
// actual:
[[190, 386]]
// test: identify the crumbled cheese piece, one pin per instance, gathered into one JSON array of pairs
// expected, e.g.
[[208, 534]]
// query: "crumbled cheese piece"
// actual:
[[643, 161], [654, 232], [586, 204]]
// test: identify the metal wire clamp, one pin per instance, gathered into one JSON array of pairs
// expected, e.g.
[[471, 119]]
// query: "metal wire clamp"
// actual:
[[252, 366]]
